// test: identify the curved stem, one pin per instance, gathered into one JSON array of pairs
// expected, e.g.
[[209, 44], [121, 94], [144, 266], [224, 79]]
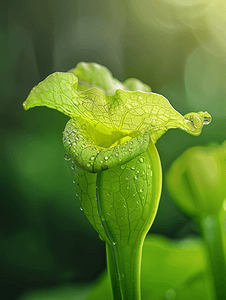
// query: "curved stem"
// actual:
[[124, 265], [214, 231]]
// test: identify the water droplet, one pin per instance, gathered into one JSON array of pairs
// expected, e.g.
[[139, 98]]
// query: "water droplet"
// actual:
[[67, 157], [127, 187], [130, 150], [81, 208], [131, 142], [132, 168], [116, 154], [109, 193], [106, 158], [134, 195], [141, 159], [170, 294], [92, 157], [206, 118], [141, 190], [136, 176], [149, 166], [126, 178], [123, 167], [88, 165], [77, 138], [101, 161]]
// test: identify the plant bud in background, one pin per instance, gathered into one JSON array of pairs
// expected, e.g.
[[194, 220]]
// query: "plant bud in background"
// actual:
[[197, 180]]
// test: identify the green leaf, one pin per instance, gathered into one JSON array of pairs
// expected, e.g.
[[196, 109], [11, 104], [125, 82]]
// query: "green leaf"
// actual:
[[94, 75], [170, 270], [61, 292]]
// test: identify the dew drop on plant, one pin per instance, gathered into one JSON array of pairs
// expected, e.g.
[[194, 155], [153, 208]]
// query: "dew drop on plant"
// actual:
[[67, 157], [106, 158], [109, 193], [206, 118], [88, 165], [141, 160], [132, 168], [134, 195], [170, 294], [141, 190], [123, 167], [92, 157], [127, 187], [136, 176], [116, 154], [81, 208]]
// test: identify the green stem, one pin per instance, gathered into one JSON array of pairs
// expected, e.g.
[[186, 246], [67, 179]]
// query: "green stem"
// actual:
[[124, 264], [213, 231]]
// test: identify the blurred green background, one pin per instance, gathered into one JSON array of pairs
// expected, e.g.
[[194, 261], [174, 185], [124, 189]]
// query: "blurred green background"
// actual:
[[178, 47]]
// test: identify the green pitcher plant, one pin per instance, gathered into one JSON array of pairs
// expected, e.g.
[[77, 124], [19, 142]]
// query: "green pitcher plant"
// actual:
[[197, 183], [110, 139]]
